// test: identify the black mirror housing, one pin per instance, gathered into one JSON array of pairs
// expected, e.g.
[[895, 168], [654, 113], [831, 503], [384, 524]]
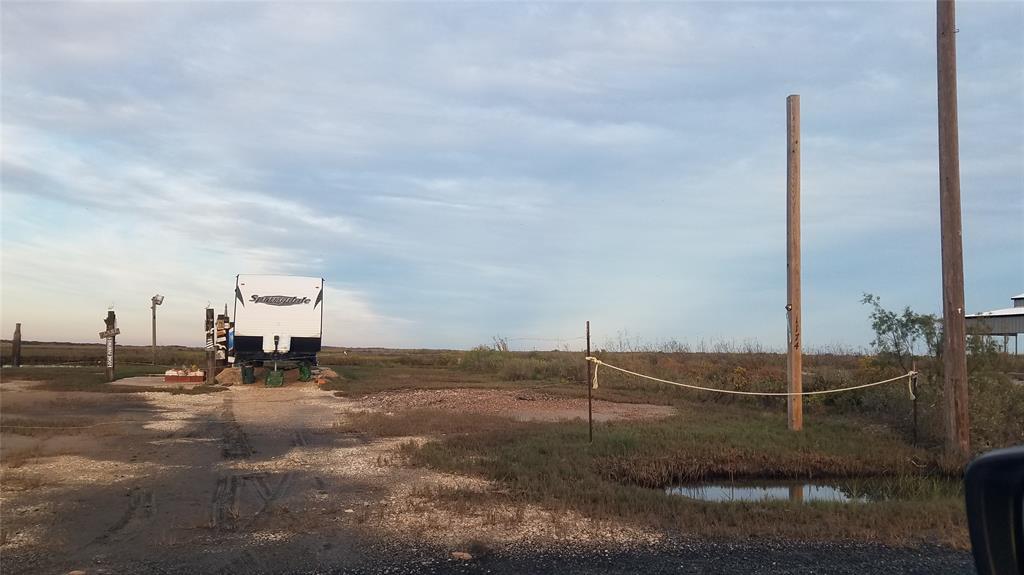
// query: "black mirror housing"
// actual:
[[994, 490]]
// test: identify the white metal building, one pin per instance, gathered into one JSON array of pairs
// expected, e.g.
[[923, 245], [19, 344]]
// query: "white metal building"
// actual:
[[1005, 322]]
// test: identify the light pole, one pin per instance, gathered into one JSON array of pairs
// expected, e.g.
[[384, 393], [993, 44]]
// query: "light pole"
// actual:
[[157, 300]]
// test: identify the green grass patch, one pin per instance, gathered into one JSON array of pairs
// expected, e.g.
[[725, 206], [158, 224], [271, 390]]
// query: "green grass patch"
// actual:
[[619, 476]]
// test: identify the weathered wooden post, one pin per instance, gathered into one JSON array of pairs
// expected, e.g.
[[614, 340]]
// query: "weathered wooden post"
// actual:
[[16, 346], [211, 356], [794, 359], [110, 334], [590, 388], [954, 354], [913, 392], [796, 493]]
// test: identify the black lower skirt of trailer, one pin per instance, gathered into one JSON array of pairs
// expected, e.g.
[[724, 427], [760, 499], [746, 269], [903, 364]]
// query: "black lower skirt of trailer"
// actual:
[[249, 349]]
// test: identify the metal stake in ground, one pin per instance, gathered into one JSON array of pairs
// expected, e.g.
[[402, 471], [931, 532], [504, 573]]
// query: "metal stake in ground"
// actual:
[[16, 346], [590, 388], [110, 334], [210, 346], [794, 360], [954, 355]]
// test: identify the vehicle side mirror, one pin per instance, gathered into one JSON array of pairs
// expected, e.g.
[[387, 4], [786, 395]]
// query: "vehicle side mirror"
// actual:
[[994, 489]]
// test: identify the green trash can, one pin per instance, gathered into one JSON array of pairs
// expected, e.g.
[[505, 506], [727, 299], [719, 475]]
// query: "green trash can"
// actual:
[[305, 373], [248, 375], [275, 378]]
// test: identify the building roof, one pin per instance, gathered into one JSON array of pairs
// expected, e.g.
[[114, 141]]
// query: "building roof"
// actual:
[[1018, 296], [1010, 311]]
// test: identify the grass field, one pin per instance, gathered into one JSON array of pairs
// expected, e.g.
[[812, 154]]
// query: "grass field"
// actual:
[[621, 475], [864, 434]]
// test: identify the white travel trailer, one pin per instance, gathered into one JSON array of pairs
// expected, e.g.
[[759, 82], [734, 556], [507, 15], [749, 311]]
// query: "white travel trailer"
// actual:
[[277, 318]]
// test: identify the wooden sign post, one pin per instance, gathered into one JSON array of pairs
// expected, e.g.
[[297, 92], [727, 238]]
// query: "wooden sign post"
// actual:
[[16, 346], [110, 334]]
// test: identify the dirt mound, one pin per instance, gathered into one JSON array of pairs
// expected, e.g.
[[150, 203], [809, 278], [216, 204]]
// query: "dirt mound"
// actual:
[[328, 373], [230, 376]]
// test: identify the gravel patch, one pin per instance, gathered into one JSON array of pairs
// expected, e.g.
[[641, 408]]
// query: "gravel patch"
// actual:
[[525, 405]]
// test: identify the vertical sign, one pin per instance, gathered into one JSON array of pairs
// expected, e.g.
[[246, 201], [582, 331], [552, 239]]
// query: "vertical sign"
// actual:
[[109, 334], [16, 346], [221, 342], [210, 347]]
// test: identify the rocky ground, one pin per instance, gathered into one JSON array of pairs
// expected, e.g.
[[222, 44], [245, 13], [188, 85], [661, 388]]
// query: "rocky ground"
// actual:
[[257, 480], [525, 404]]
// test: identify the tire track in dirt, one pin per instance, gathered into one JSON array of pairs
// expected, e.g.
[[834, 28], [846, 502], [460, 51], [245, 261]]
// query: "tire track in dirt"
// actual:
[[224, 507], [259, 490], [141, 508], [270, 493], [235, 443], [299, 438]]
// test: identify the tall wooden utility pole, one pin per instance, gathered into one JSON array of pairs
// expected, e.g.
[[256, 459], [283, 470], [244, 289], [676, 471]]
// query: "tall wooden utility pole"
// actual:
[[794, 360], [954, 354]]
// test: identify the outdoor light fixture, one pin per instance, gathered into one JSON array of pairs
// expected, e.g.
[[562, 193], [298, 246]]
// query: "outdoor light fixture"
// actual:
[[158, 299]]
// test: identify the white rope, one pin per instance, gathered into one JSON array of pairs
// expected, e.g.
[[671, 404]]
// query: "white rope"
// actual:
[[547, 338], [598, 362]]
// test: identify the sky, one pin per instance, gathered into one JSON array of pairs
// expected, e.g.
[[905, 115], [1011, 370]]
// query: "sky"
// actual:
[[461, 171]]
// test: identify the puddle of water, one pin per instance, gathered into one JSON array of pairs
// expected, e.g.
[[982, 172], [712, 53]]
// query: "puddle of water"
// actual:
[[798, 493], [849, 491]]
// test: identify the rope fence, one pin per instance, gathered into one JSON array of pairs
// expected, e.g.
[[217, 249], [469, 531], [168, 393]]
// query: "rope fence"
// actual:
[[598, 363]]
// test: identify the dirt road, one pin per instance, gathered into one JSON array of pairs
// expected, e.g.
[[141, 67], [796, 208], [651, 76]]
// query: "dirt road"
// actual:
[[255, 480]]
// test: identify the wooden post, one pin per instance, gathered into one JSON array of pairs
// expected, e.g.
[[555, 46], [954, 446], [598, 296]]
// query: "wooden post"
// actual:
[[110, 334], [954, 355], [210, 347], [16, 346], [913, 390], [796, 493], [794, 360], [590, 388]]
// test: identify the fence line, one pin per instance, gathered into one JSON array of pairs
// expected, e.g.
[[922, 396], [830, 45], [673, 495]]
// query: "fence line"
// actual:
[[597, 363]]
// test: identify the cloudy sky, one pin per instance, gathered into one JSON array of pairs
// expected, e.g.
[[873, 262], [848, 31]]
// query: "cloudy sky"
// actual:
[[458, 171]]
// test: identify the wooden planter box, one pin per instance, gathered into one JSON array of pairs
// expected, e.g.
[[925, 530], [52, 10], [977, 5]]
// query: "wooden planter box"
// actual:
[[184, 377]]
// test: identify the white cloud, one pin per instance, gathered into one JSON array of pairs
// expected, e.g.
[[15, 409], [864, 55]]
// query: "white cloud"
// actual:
[[466, 170]]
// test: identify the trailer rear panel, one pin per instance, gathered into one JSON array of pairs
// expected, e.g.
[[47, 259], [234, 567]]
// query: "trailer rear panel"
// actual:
[[277, 316]]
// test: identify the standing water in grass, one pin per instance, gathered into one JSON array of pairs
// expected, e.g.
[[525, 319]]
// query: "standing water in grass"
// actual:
[[844, 491]]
